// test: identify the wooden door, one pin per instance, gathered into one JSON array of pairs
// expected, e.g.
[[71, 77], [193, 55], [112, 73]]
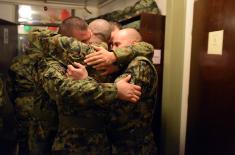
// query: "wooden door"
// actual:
[[211, 113], [152, 29]]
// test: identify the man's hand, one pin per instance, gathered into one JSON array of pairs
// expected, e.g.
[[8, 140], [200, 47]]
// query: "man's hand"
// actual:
[[78, 73], [128, 92], [100, 58], [107, 70]]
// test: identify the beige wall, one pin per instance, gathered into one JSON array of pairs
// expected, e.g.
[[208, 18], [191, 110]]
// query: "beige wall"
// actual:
[[176, 75], [7, 12]]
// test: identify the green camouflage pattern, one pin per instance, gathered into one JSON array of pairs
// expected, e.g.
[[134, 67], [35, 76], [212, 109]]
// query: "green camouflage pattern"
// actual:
[[82, 105], [83, 101], [35, 112], [148, 6], [81, 110], [130, 124], [126, 54]]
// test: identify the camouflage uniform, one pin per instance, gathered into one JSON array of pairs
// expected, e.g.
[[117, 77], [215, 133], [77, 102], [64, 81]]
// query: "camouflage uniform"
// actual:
[[126, 54], [36, 114], [81, 104], [149, 6], [130, 126]]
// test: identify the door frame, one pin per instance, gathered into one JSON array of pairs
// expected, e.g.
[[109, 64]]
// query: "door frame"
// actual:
[[179, 21]]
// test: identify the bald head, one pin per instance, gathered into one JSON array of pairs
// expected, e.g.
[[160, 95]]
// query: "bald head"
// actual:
[[101, 30], [126, 37]]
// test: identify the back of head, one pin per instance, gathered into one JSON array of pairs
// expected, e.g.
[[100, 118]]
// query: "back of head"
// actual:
[[101, 30], [74, 27]]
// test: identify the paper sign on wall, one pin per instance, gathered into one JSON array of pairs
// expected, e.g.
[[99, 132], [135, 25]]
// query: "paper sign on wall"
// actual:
[[215, 42]]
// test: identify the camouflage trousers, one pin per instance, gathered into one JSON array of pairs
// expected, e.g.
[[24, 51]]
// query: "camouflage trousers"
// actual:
[[80, 141], [127, 143]]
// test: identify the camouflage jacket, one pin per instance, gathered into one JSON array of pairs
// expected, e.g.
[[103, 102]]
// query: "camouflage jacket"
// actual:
[[126, 54], [80, 103], [130, 124], [68, 50], [80, 109], [77, 101], [35, 112]]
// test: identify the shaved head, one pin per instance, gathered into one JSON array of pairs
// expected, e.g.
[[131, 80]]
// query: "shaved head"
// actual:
[[101, 30], [75, 27], [126, 37]]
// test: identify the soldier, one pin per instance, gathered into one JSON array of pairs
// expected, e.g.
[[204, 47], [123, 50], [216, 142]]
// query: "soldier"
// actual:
[[36, 114], [80, 103], [62, 51], [130, 125]]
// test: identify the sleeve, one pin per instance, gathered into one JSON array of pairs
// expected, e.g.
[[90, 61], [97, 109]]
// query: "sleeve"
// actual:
[[142, 74], [126, 54], [83, 92]]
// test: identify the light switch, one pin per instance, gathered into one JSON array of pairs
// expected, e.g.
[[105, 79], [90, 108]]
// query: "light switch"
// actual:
[[215, 42], [156, 56]]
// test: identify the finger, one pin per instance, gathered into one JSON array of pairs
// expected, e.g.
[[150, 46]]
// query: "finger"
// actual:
[[127, 78], [93, 59], [70, 67], [136, 87], [90, 59], [92, 54], [133, 100], [78, 65], [137, 93], [69, 72], [97, 47], [95, 62], [136, 98]]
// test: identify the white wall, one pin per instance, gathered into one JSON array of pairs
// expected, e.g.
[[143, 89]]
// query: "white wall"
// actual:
[[7, 12], [162, 6], [85, 15]]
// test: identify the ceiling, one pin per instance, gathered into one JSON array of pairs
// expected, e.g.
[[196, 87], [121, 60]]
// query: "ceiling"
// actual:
[[96, 3], [79, 2]]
